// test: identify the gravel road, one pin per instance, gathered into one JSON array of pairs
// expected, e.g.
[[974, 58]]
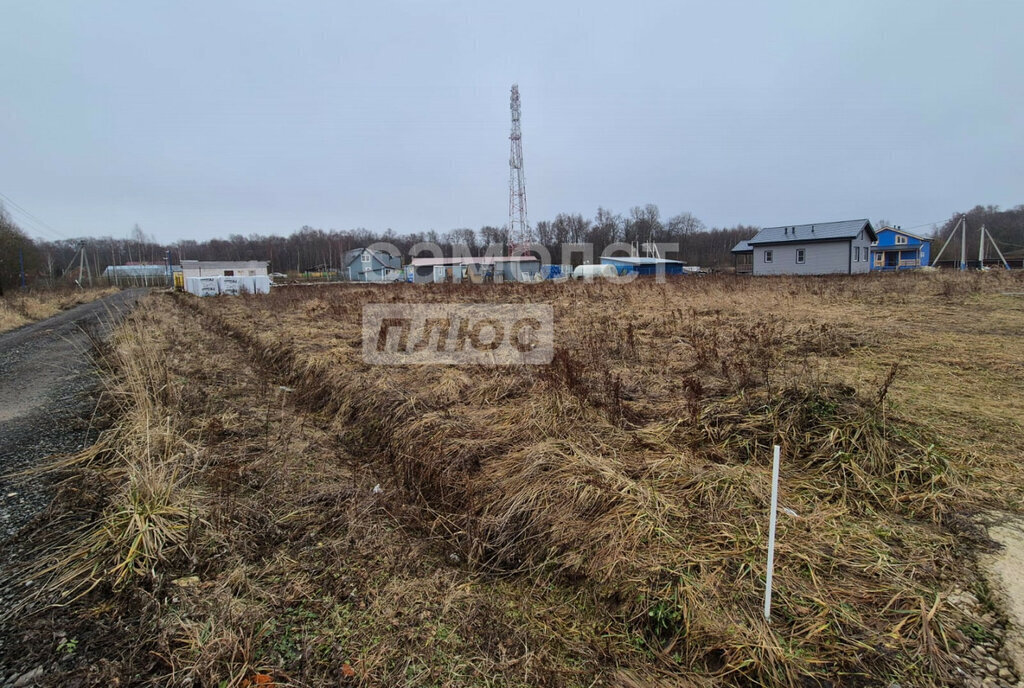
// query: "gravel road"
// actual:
[[47, 396]]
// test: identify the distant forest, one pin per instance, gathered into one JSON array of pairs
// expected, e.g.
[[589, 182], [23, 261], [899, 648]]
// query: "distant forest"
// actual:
[[312, 249], [1005, 226]]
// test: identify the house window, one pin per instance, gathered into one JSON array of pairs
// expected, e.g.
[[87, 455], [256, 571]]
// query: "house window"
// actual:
[[801, 253], [366, 257], [856, 253], [767, 256], [900, 239], [229, 273]]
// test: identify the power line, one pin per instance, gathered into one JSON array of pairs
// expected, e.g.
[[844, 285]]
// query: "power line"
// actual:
[[30, 225], [925, 224], [33, 225], [17, 217], [32, 219], [40, 232], [24, 211]]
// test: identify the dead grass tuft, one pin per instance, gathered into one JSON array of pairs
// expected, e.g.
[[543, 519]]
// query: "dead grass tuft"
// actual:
[[22, 308], [140, 474]]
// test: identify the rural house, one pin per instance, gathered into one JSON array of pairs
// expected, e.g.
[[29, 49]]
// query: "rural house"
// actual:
[[370, 265], [822, 248], [899, 250]]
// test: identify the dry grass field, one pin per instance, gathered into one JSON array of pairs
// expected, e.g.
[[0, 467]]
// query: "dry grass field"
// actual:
[[17, 309], [267, 508]]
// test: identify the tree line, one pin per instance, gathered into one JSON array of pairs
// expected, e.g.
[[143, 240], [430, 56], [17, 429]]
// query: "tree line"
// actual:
[[1006, 227], [18, 253], [312, 249]]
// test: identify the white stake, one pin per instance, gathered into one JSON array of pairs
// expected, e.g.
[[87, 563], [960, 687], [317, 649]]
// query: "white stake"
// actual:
[[771, 536]]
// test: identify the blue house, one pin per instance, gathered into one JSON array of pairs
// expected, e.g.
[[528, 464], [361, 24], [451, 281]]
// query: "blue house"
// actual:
[[644, 266], [897, 249], [369, 265]]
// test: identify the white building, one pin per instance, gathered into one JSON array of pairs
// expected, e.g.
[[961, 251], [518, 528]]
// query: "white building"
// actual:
[[495, 268], [224, 268], [823, 248], [213, 277]]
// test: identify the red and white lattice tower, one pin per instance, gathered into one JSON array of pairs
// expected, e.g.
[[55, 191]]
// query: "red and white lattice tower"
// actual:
[[519, 235]]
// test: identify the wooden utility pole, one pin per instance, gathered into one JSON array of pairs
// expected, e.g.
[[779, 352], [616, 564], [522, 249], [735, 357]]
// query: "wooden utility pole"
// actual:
[[996, 247], [935, 261], [963, 244], [81, 263], [981, 248]]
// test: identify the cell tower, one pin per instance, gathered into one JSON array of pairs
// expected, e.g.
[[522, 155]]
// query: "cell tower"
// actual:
[[519, 234]]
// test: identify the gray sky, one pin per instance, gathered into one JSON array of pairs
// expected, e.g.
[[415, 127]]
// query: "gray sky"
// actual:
[[198, 118]]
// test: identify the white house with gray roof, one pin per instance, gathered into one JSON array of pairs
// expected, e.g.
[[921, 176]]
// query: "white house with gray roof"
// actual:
[[823, 248]]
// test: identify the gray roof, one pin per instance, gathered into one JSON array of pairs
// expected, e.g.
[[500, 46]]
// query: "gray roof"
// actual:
[[351, 255], [819, 231], [742, 247], [383, 257]]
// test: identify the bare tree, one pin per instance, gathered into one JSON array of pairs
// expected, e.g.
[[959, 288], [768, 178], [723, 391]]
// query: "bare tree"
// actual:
[[606, 229], [16, 248], [644, 224], [464, 237], [493, 236]]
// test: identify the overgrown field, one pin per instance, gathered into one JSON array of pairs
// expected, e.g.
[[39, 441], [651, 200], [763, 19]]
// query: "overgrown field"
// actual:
[[17, 308], [266, 507]]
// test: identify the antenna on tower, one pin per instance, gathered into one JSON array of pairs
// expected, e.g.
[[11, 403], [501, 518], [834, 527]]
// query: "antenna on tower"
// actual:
[[519, 234]]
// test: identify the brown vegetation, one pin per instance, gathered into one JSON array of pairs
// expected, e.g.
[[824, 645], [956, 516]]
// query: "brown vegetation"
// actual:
[[22, 308], [601, 519]]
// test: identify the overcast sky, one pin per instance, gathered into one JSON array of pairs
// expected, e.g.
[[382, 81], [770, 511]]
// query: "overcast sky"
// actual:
[[205, 118]]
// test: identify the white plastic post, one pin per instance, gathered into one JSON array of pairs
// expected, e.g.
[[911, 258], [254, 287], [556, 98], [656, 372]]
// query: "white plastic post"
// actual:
[[771, 535]]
